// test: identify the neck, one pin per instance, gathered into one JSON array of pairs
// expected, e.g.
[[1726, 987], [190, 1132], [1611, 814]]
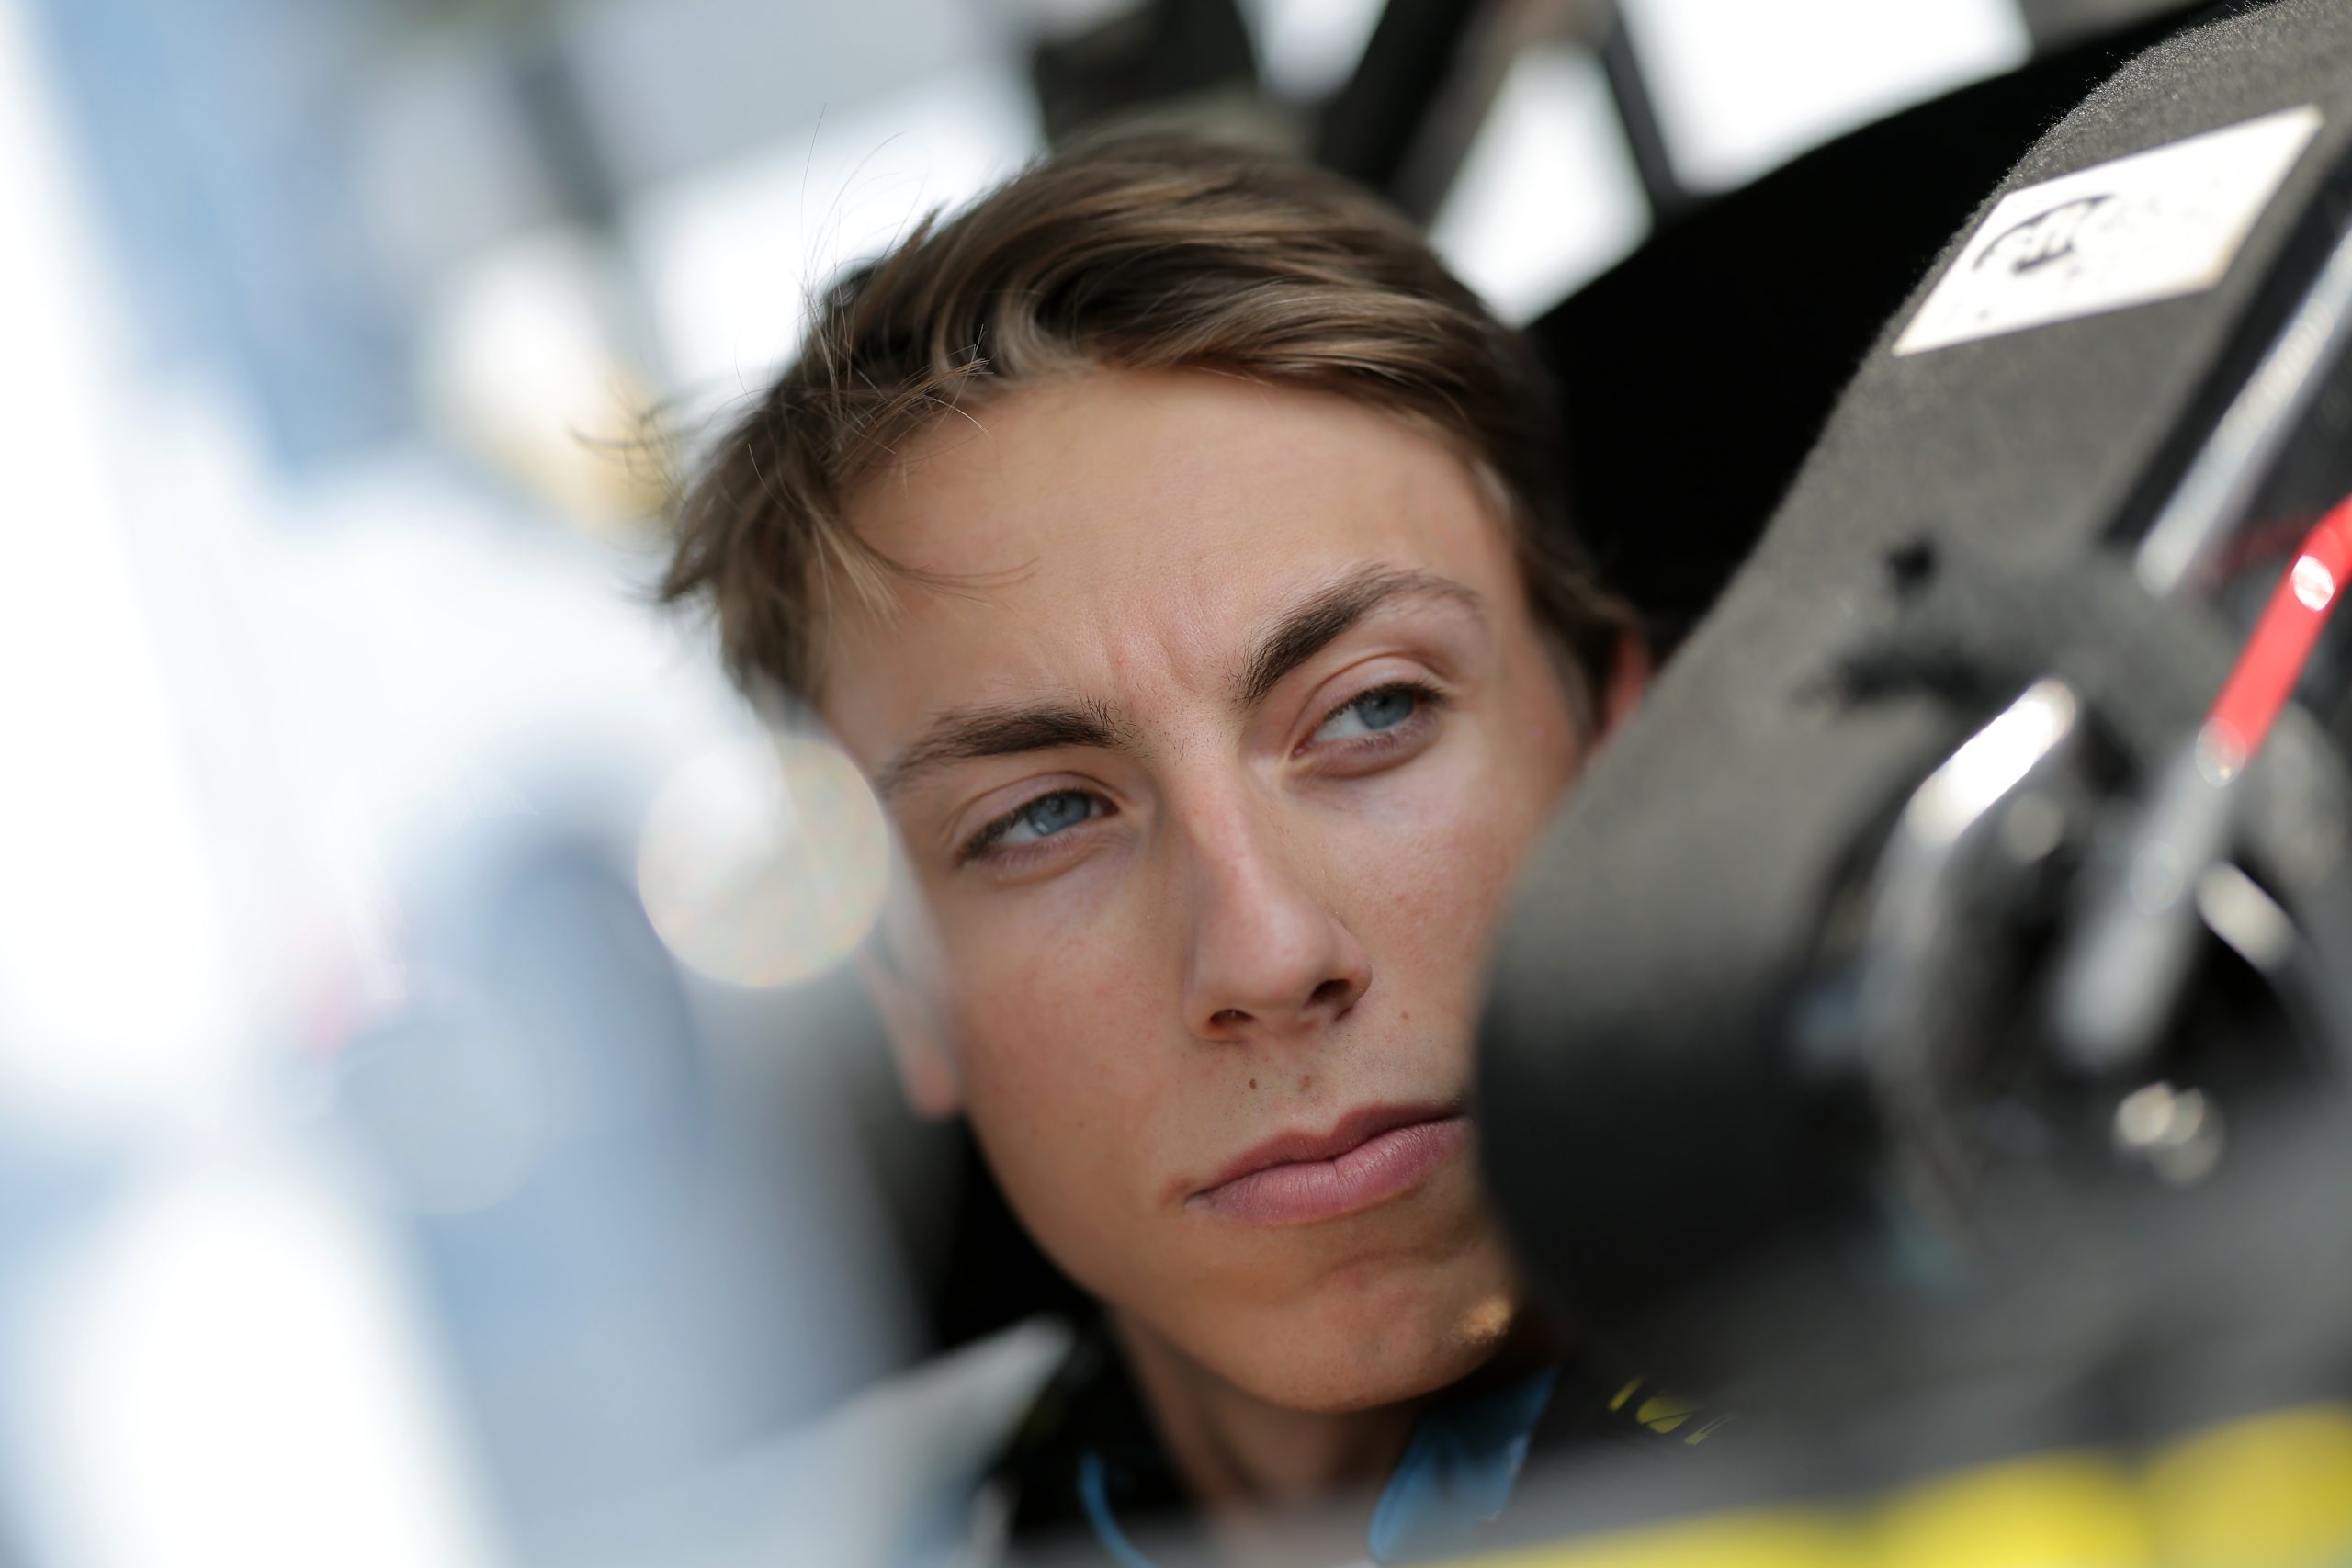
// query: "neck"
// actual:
[[1274, 1482], [1238, 1454]]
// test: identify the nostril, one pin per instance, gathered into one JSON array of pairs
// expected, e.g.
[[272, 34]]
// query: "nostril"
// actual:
[[1330, 993], [1228, 1018]]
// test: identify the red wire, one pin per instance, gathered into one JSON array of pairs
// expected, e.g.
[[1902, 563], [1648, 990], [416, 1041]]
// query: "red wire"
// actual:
[[2274, 657]]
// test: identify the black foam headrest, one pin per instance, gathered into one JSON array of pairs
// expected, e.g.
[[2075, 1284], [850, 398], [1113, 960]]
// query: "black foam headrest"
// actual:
[[1640, 1124], [1697, 374]]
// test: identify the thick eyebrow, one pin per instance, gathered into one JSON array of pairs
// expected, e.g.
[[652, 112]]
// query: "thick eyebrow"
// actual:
[[1307, 628], [1324, 616], [970, 733]]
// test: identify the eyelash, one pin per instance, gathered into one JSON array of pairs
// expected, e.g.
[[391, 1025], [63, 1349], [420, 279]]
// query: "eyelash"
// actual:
[[1428, 698], [980, 842]]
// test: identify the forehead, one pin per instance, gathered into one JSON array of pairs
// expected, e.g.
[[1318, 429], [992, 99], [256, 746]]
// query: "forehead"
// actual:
[[1125, 530]]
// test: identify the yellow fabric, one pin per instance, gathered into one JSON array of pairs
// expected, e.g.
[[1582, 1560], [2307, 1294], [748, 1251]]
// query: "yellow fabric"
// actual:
[[2272, 1491], [1779, 1539], [2057, 1511], [2275, 1492]]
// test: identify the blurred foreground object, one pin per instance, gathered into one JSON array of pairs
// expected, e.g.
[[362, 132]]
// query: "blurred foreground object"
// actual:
[[1926, 1031]]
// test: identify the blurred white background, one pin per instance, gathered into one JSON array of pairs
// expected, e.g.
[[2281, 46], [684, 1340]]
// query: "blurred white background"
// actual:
[[376, 1185]]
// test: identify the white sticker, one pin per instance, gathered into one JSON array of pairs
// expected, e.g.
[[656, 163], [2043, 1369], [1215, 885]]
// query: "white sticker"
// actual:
[[2153, 226]]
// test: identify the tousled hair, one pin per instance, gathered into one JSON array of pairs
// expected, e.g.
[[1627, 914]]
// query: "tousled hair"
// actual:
[[1141, 253]]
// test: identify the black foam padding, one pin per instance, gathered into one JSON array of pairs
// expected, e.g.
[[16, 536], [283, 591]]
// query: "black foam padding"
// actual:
[[1642, 1126], [1695, 376]]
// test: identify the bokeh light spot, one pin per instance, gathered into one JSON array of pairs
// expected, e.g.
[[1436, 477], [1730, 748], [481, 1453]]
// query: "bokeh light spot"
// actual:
[[764, 863]]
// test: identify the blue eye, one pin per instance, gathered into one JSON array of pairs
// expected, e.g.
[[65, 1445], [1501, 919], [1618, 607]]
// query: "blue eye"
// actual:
[[1381, 709], [1048, 815], [1041, 818]]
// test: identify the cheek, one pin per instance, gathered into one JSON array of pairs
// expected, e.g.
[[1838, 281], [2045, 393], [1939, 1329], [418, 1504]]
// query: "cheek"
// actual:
[[1038, 973], [1056, 1037], [1441, 853], [1031, 1010]]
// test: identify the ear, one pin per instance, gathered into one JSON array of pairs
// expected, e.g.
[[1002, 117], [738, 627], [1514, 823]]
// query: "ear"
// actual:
[[919, 1047], [1628, 682]]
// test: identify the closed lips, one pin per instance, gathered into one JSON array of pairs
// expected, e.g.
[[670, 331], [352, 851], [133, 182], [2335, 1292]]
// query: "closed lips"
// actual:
[[1374, 1154]]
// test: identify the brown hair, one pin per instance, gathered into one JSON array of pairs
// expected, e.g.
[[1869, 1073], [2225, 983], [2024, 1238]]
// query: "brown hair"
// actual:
[[1134, 253]]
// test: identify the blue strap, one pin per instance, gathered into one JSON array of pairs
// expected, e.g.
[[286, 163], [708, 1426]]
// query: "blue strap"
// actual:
[[1093, 1492], [1457, 1472]]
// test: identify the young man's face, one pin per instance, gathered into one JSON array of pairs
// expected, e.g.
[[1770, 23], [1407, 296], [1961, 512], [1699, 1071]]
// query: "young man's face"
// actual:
[[1213, 756]]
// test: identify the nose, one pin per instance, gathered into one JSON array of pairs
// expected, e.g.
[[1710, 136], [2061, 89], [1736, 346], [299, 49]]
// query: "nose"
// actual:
[[1268, 958]]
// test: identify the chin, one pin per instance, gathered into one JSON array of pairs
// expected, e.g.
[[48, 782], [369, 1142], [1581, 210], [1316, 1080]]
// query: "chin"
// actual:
[[1379, 1344]]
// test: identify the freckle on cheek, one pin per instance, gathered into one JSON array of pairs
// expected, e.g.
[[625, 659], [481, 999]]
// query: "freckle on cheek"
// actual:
[[1306, 1083], [1253, 1083]]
